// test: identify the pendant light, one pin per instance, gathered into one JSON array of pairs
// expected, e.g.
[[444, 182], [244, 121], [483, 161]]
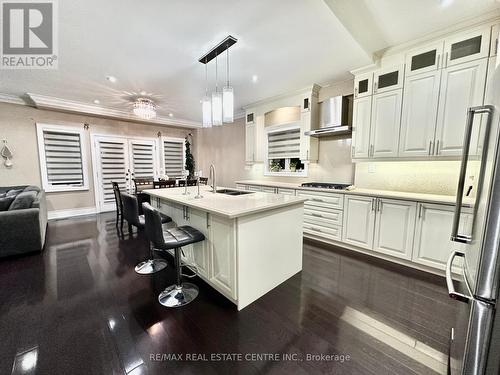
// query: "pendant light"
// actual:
[[216, 100], [206, 104], [227, 96]]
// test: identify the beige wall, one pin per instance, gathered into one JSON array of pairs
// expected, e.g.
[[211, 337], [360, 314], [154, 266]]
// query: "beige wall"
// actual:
[[17, 125]]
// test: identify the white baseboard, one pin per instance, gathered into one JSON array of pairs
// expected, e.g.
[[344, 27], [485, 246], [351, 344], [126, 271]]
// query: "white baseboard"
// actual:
[[63, 214]]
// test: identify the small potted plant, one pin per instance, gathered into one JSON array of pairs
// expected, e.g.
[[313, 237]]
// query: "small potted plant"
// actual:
[[293, 166]]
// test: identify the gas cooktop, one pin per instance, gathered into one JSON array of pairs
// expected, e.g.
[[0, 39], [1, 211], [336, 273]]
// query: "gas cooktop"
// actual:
[[325, 185]]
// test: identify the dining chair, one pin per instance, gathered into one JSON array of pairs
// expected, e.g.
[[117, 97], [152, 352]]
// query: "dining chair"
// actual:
[[162, 184], [142, 183], [191, 182], [119, 204]]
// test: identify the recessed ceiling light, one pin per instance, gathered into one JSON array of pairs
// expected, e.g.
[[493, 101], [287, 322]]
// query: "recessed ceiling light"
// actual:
[[171, 115], [96, 101], [445, 3], [111, 79], [255, 78], [143, 92]]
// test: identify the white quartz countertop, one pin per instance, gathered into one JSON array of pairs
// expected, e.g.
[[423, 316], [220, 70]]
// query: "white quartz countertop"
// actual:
[[419, 197], [225, 205]]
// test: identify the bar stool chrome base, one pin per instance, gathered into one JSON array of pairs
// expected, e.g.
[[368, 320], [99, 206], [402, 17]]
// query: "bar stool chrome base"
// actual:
[[176, 296], [150, 266]]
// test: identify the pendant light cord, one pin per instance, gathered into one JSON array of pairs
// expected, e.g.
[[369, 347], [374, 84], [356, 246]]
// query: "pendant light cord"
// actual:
[[206, 80], [216, 77], [227, 64]]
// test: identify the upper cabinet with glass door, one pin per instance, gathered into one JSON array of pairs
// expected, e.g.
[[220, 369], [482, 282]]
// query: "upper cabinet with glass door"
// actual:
[[363, 85], [424, 59], [467, 46], [388, 79]]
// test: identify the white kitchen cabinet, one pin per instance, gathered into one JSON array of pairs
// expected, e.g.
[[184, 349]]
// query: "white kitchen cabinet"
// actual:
[[269, 189], [200, 251], [394, 227], [250, 143], [286, 191], [462, 86], [424, 59], [432, 245], [363, 85], [420, 107], [388, 78], [467, 46], [361, 121], [495, 34], [309, 146], [359, 221], [222, 259], [254, 188], [241, 187], [385, 124]]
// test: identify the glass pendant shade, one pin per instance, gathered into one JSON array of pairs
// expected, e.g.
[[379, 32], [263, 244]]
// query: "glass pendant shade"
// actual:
[[228, 104], [206, 107], [217, 108]]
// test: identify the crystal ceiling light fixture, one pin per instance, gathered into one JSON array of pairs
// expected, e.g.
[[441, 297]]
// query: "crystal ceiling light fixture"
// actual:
[[145, 108], [218, 108]]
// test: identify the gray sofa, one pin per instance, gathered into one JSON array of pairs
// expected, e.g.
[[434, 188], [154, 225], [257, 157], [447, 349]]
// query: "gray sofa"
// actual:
[[23, 220]]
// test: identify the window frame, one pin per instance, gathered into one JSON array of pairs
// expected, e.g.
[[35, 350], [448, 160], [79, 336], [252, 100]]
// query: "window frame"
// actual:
[[173, 140], [40, 128], [286, 172]]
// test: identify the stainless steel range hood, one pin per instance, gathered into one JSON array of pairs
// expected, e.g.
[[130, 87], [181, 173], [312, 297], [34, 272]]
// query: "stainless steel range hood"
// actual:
[[335, 117]]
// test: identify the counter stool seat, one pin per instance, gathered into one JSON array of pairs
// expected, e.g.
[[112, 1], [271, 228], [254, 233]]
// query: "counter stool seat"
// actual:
[[180, 293]]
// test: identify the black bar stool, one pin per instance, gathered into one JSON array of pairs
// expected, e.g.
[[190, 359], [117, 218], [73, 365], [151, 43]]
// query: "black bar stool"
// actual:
[[131, 214], [180, 293]]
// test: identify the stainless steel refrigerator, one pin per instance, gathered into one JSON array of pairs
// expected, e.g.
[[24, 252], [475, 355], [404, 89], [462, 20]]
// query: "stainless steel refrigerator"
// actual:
[[475, 341]]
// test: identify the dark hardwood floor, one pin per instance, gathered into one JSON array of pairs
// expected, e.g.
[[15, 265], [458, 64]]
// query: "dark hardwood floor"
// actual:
[[79, 308]]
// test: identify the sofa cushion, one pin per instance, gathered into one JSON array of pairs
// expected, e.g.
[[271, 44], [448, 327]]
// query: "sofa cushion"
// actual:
[[32, 188], [13, 192], [5, 203], [23, 200]]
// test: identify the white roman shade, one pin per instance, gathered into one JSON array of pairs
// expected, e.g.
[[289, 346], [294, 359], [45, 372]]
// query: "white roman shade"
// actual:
[[143, 159], [112, 160], [62, 158], [173, 157], [283, 144]]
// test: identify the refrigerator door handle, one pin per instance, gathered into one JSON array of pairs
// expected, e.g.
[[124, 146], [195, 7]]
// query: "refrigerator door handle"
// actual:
[[471, 112], [449, 280]]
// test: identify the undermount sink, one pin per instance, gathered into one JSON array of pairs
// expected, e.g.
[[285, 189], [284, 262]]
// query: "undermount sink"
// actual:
[[233, 192]]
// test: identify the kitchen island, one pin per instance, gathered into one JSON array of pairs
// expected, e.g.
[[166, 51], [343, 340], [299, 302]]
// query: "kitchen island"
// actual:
[[253, 240]]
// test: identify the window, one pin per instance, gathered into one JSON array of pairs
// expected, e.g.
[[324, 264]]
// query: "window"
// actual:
[[283, 153], [63, 161], [173, 157]]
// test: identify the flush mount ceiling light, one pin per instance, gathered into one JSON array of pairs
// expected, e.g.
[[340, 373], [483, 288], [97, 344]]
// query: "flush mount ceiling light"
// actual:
[[219, 107], [111, 79], [145, 108]]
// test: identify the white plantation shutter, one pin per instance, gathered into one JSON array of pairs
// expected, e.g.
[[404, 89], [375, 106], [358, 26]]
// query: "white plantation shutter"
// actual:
[[283, 144], [62, 158], [113, 167], [143, 159], [173, 154]]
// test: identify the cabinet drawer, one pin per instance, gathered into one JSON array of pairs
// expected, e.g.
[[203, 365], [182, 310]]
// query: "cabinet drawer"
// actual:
[[267, 189], [286, 191], [331, 216], [254, 188], [241, 187], [319, 230], [330, 200]]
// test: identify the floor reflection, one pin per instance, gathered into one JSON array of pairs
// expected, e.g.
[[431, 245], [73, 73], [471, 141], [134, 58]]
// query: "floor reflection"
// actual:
[[79, 308]]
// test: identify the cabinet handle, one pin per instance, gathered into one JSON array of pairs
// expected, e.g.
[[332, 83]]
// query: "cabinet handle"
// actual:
[[420, 211], [208, 220], [315, 214], [352, 152], [355, 92], [430, 147], [317, 199], [371, 148], [437, 147], [373, 204], [438, 62], [379, 205], [307, 155], [445, 62], [316, 229], [376, 86], [496, 46]]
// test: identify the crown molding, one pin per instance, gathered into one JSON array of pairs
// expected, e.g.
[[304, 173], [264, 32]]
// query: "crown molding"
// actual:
[[11, 99], [313, 89], [64, 105]]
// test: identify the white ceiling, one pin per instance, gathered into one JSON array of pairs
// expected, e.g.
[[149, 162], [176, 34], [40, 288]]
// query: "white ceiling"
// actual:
[[155, 45], [378, 24]]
